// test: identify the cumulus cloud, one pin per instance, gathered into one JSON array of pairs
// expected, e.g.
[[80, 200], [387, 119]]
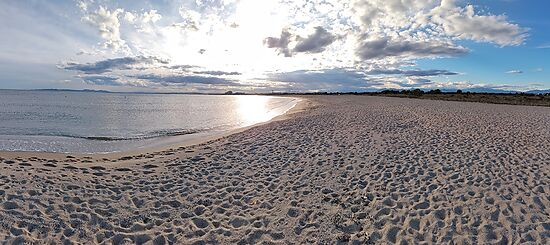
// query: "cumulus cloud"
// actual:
[[109, 65], [151, 16], [418, 28], [464, 23], [384, 47], [316, 42], [514, 72], [280, 43], [442, 18], [130, 17], [108, 25]]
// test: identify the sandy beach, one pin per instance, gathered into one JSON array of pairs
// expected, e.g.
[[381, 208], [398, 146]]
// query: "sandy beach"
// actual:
[[337, 169]]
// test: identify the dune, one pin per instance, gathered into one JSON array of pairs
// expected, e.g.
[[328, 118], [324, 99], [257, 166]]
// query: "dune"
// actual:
[[344, 169]]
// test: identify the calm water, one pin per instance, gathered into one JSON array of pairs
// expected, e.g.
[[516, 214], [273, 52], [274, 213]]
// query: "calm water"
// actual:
[[55, 121]]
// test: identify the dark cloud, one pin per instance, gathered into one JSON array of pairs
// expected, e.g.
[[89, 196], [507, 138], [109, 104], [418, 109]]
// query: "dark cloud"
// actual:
[[412, 83], [186, 79], [346, 80], [325, 80], [280, 43], [385, 47], [316, 42], [113, 72], [109, 65], [412, 73], [218, 73], [102, 80], [181, 67]]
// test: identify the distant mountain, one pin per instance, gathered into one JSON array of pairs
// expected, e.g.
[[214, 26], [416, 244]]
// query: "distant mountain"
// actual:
[[539, 91], [72, 90], [490, 90]]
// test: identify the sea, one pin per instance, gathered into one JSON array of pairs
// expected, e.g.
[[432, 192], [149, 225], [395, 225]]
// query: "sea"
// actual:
[[104, 122]]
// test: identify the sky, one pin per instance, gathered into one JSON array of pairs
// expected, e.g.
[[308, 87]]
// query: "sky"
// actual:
[[275, 45]]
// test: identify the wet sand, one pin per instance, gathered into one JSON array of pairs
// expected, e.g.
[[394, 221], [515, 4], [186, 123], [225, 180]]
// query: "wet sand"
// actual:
[[348, 169]]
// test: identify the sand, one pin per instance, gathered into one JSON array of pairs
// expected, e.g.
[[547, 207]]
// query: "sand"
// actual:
[[348, 170]]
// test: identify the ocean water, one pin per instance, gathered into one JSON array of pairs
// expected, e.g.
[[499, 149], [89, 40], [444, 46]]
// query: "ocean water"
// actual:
[[97, 122]]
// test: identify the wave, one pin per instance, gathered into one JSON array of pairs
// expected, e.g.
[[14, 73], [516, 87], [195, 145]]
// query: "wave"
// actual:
[[144, 136], [149, 135]]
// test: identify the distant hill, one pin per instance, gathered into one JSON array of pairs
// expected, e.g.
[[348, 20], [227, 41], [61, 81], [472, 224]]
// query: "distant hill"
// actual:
[[72, 90], [490, 90], [540, 91]]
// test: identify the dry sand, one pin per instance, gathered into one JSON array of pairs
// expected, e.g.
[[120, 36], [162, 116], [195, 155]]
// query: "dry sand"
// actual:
[[349, 169]]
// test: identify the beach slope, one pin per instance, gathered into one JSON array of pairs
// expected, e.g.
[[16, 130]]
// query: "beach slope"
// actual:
[[349, 169]]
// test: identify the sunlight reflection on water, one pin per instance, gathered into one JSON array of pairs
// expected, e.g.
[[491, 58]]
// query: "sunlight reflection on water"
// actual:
[[254, 109], [107, 122]]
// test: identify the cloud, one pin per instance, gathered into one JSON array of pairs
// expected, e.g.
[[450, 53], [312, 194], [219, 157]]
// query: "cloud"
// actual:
[[358, 80], [312, 45], [108, 25], [83, 5], [280, 43], [412, 83], [514, 72], [151, 16], [156, 80], [442, 20], [218, 73], [323, 80], [102, 80], [149, 71], [130, 17], [186, 79], [464, 23], [316, 42], [109, 65], [384, 47], [477, 87], [412, 73], [182, 67]]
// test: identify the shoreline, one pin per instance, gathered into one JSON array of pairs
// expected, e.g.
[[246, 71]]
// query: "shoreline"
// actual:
[[191, 140]]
